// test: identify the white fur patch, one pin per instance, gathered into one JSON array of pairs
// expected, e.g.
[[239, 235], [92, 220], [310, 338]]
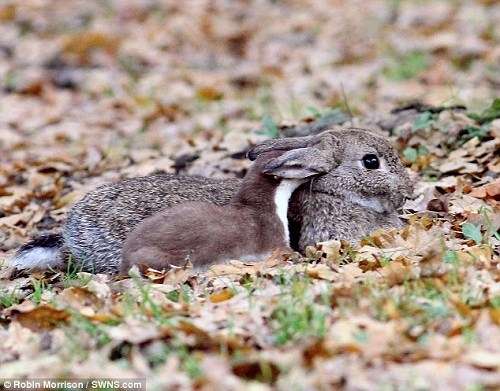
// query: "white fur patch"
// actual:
[[281, 198], [37, 258]]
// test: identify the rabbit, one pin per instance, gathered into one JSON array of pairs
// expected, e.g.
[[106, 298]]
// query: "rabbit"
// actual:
[[361, 193], [250, 227]]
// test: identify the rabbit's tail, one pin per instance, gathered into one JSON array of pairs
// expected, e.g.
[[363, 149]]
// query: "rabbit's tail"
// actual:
[[42, 252]]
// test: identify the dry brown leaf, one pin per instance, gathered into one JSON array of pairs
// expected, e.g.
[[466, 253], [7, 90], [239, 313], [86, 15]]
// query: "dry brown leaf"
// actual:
[[192, 329], [464, 204], [98, 285], [476, 254], [350, 272], [42, 318], [230, 269], [13, 220], [323, 272], [490, 190], [93, 94], [255, 370], [154, 275], [278, 257], [25, 306], [173, 276], [86, 302], [332, 250], [178, 275], [396, 273]]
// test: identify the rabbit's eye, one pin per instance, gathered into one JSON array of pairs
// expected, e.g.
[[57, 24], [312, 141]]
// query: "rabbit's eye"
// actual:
[[371, 162]]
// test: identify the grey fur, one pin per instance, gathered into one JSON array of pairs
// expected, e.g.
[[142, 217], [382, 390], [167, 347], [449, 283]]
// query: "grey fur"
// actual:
[[347, 203], [98, 224]]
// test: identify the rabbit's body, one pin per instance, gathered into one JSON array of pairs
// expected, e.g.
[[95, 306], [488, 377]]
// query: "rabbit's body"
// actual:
[[98, 224], [325, 217], [347, 203]]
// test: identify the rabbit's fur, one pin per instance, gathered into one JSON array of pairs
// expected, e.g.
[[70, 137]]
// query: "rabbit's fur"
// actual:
[[347, 203], [99, 223]]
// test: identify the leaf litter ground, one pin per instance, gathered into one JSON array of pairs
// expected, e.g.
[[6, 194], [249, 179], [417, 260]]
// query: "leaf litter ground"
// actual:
[[98, 91]]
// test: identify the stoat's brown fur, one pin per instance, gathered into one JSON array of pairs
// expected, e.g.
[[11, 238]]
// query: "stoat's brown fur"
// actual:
[[250, 227]]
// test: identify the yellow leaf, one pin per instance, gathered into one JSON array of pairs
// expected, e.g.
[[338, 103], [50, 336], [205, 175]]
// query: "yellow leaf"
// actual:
[[391, 309], [209, 93], [222, 295], [495, 315], [7, 13], [81, 44], [67, 199]]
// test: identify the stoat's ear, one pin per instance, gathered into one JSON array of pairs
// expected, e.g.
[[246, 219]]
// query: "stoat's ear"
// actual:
[[279, 144], [327, 141], [299, 163]]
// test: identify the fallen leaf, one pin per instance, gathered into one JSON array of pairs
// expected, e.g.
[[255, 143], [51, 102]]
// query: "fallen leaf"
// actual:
[[81, 299], [8, 12], [323, 272], [495, 315], [332, 250], [490, 190], [396, 273], [42, 318], [82, 43], [261, 371], [483, 359], [221, 295]]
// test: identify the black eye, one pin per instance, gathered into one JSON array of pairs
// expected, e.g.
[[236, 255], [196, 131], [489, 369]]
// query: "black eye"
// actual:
[[371, 162]]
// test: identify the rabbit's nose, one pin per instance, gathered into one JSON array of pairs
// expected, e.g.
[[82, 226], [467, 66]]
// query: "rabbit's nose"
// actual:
[[406, 189], [401, 186]]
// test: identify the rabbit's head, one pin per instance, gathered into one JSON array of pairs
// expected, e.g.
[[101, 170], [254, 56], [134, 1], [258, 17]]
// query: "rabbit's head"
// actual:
[[369, 173], [365, 168]]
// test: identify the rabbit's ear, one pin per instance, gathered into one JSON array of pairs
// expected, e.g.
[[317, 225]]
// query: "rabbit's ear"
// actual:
[[279, 144], [299, 164]]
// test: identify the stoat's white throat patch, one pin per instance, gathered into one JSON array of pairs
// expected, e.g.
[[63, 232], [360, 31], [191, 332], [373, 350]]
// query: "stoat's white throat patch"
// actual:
[[281, 199]]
